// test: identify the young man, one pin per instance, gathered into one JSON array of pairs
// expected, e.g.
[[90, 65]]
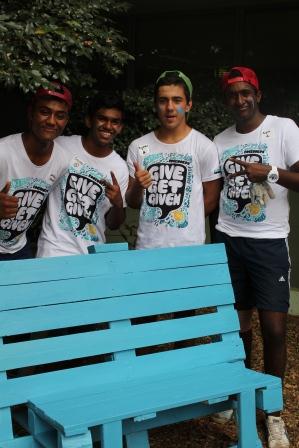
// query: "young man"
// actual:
[[90, 194], [172, 171], [29, 165], [258, 152]]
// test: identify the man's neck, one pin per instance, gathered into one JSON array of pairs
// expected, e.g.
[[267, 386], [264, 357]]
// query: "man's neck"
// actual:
[[172, 135], [244, 127], [94, 149], [39, 152]]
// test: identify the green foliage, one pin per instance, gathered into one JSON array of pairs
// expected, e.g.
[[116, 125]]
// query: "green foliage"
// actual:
[[208, 116], [69, 40]]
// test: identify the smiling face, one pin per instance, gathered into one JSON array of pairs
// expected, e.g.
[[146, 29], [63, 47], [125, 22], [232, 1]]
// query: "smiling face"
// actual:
[[48, 118], [104, 126], [172, 106], [243, 101]]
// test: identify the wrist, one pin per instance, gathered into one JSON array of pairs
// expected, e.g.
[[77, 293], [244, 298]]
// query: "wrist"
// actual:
[[118, 205], [272, 175]]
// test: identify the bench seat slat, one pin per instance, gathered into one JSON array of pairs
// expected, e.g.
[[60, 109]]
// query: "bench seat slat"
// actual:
[[127, 399], [58, 268], [37, 294], [48, 350], [19, 390], [74, 314]]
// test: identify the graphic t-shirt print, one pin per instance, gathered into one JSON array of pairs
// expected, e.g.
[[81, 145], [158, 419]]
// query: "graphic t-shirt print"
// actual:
[[167, 200], [31, 193], [82, 195], [236, 194]]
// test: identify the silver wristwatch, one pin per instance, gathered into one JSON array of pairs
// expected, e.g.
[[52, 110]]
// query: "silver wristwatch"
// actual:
[[273, 175]]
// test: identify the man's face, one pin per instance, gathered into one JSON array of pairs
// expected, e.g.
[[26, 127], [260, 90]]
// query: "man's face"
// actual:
[[105, 125], [242, 99], [48, 118], [171, 106]]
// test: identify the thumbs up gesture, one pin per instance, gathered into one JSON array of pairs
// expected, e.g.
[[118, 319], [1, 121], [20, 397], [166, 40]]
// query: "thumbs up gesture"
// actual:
[[8, 204], [142, 177]]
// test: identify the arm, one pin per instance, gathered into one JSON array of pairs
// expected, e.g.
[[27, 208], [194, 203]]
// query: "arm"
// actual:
[[8, 204], [137, 185], [211, 194], [116, 215], [257, 172]]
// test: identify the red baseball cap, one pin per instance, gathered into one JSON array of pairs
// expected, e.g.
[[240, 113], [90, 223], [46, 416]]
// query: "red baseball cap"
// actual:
[[245, 74], [58, 90]]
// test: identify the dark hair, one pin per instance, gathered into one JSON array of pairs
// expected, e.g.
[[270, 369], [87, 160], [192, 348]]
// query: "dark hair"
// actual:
[[106, 100], [169, 79]]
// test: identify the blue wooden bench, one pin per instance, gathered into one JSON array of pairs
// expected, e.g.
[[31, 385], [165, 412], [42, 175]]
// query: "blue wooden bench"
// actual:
[[116, 372]]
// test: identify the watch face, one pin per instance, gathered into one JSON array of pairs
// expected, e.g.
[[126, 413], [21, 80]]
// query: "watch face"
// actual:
[[272, 177]]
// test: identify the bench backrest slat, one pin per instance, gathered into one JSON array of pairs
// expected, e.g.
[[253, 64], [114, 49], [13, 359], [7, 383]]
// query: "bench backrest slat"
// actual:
[[58, 268], [49, 350], [63, 291], [39, 318]]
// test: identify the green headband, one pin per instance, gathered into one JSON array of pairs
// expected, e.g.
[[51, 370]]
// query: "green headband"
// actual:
[[180, 75]]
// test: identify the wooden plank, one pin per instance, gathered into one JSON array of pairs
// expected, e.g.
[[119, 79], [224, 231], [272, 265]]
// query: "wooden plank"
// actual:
[[111, 247], [19, 390], [74, 346], [58, 268], [20, 442], [150, 395], [72, 290], [6, 430], [41, 318]]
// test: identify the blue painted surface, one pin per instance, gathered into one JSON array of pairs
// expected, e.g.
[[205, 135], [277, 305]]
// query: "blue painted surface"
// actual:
[[84, 305]]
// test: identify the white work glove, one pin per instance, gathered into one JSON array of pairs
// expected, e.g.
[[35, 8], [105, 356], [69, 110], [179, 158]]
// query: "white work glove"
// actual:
[[261, 192]]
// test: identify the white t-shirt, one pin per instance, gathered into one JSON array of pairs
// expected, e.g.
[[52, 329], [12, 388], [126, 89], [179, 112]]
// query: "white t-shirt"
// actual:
[[172, 212], [30, 183], [274, 142], [75, 215]]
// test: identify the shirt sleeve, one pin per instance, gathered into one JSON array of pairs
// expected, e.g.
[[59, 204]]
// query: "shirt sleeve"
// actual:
[[210, 167], [291, 143], [3, 172], [123, 179], [132, 158]]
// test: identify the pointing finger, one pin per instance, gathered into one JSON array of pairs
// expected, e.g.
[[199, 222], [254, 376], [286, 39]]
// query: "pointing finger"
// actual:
[[239, 162], [238, 173], [114, 180]]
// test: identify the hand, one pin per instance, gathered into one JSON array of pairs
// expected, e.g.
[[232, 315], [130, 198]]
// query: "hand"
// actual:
[[142, 177], [113, 192], [8, 203], [256, 172]]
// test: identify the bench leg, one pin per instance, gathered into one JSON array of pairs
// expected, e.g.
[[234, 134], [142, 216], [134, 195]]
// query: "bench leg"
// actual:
[[112, 435], [246, 416], [79, 441], [47, 436], [137, 440], [41, 432]]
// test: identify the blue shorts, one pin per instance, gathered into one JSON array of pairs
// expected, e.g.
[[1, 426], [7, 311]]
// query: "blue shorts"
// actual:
[[25, 252], [260, 271]]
